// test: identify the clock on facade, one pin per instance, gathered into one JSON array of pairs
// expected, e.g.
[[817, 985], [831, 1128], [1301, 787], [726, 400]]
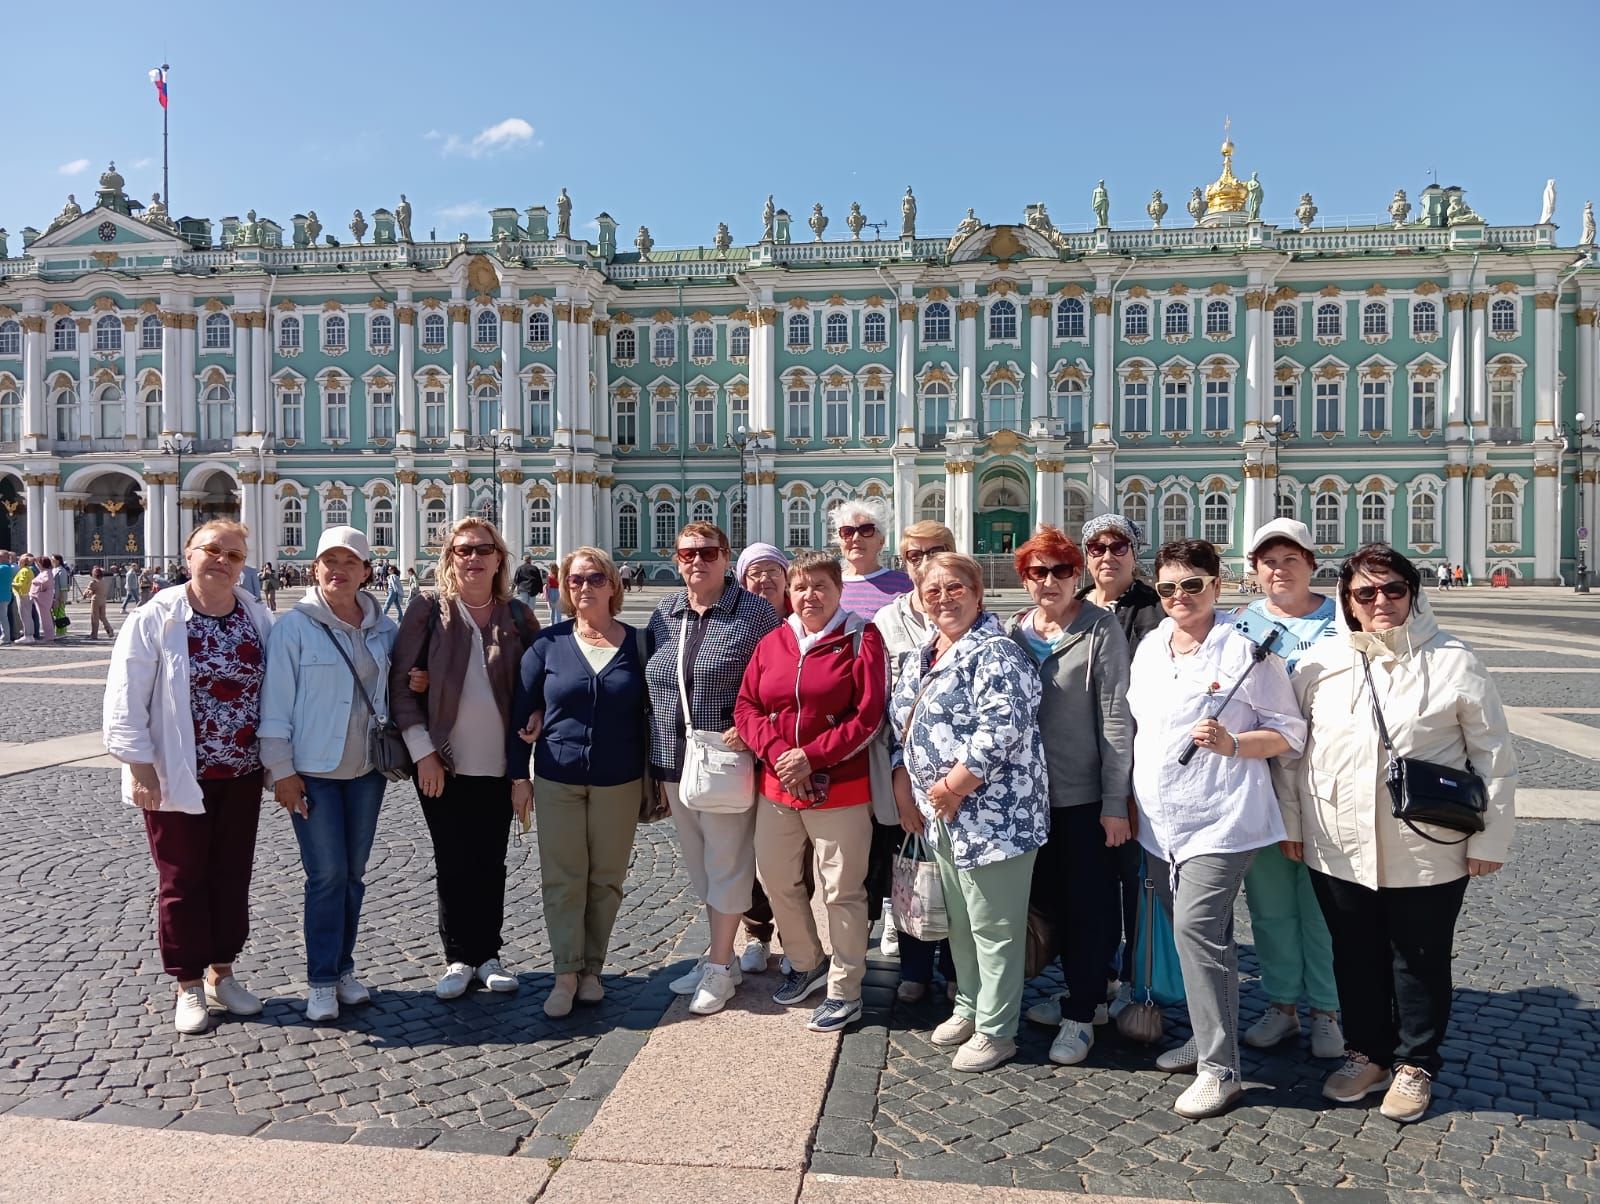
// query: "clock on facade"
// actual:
[[108, 231]]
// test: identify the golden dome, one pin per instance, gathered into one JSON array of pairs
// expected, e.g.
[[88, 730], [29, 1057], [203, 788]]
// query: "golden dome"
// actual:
[[1227, 193]]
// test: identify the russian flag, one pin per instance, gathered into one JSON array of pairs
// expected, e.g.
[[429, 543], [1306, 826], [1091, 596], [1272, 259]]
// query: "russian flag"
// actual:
[[158, 77]]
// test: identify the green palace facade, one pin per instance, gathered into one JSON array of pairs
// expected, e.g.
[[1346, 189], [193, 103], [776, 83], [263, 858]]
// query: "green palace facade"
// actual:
[[1416, 380]]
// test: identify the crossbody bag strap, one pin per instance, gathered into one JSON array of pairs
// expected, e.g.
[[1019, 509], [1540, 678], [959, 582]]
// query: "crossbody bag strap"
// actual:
[[1377, 711], [345, 656], [683, 643]]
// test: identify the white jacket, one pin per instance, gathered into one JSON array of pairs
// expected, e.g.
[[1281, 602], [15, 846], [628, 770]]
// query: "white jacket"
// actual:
[[1439, 705], [145, 718]]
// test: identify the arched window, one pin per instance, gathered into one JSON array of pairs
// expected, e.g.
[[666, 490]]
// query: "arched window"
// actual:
[[627, 342], [666, 344], [108, 413], [738, 532], [936, 322], [541, 523], [1069, 404], [837, 330], [1216, 518], [1424, 318], [1330, 320], [335, 513], [1503, 316], [935, 407], [65, 404], [383, 522], [486, 409], [1325, 521], [108, 333], [703, 342], [292, 524], [335, 332], [797, 523], [799, 331], [216, 413], [486, 329], [932, 507], [1424, 519], [1002, 408], [10, 416], [739, 342], [628, 527], [150, 333], [702, 511], [64, 335], [1135, 320], [1374, 517], [1174, 517], [288, 332], [1503, 515], [1175, 319], [1136, 508], [1285, 322], [664, 516], [539, 328], [10, 338], [433, 330], [875, 329], [380, 331], [1002, 320], [150, 415], [1069, 318], [435, 523], [1219, 317], [1375, 320], [219, 332], [1286, 504]]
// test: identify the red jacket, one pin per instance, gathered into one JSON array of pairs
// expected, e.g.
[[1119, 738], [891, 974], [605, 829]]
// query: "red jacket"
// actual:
[[828, 703]]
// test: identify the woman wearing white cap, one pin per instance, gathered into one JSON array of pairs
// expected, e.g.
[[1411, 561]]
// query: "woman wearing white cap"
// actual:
[[327, 683], [1293, 947]]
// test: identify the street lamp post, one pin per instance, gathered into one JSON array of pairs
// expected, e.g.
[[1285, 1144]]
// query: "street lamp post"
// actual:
[[1270, 428], [741, 440], [178, 448], [1584, 427], [484, 443]]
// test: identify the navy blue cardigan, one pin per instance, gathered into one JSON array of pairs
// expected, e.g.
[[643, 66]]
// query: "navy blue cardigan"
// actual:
[[593, 723]]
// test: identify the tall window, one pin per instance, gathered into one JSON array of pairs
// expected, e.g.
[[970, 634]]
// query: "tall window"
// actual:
[[150, 415], [1077, 509], [1329, 402], [797, 526], [291, 415], [65, 403], [1424, 405], [1175, 404], [1219, 405], [738, 525], [1287, 505], [1285, 322], [1503, 402], [1002, 408], [628, 526], [1503, 516], [1375, 320], [932, 506], [1136, 320], [1069, 404], [935, 412], [383, 522], [665, 430], [703, 421], [150, 333], [836, 411], [1216, 519], [433, 330], [625, 424], [435, 415], [1069, 318], [836, 331], [1424, 519], [486, 332], [10, 416], [108, 333], [380, 332], [216, 413], [1330, 320], [875, 329], [1286, 405], [1219, 317], [1136, 406], [739, 411], [799, 331], [703, 342], [1375, 405], [383, 424], [219, 332], [541, 524], [874, 412], [336, 416], [1374, 518], [1325, 521], [539, 418], [1175, 319], [739, 342], [435, 523], [1424, 318], [10, 338], [334, 332], [64, 335], [1503, 316], [936, 322], [665, 520], [1174, 517], [486, 409], [1002, 320], [1136, 507], [799, 423], [539, 333], [108, 413], [666, 344], [288, 333], [292, 523]]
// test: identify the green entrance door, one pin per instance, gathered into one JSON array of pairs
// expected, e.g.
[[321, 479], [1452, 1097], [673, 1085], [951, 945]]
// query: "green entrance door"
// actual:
[[1001, 531]]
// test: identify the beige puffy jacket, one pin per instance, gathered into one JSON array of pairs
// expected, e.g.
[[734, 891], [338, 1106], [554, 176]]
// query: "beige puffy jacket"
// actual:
[[1439, 705]]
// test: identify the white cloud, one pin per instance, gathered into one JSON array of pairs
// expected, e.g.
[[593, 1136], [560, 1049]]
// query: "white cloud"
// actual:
[[141, 164], [463, 210], [76, 167], [501, 136]]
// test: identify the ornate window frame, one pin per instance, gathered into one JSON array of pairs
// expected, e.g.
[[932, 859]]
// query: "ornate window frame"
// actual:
[[1137, 371], [1503, 318], [1329, 311], [1066, 309], [287, 382], [1429, 486], [1288, 382], [1177, 312], [1413, 312], [1215, 371], [624, 346], [1215, 306], [1425, 368], [1371, 372], [1174, 372], [929, 318], [538, 328], [377, 382], [871, 314], [332, 382], [792, 382], [379, 319], [334, 320], [1377, 319], [1512, 487], [1136, 312], [1292, 335], [1339, 491], [1329, 371], [832, 320], [994, 315], [1504, 367]]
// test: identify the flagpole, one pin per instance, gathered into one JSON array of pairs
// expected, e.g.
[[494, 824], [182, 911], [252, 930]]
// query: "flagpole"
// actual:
[[166, 183]]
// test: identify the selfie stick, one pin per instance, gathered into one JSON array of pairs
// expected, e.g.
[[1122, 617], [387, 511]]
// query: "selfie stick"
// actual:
[[1257, 655]]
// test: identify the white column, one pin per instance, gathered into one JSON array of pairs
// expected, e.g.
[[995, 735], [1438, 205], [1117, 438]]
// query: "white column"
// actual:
[[1050, 493], [1102, 478], [1546, 534], [460, 489], [35, 426], [86, 428], [1456, 375], [268, 540], [250, 516], [34, 495], [407, 518], [1586, 352], [49, 515], [1105, 370], [130, 381], [1455, 503], [1478, 529], [186, 381], [171, 372], [905, 489], [405, 321], [763, 375], [66, 528], [1544, 357], [510, 366], [171, 540], [605, 531], [1038, 356], [600, 344], [1479, 335], [905, 384], [155, 505], [566, 505], [513, 513], [958, 501], [460, 401], [244, 384], [583, 403], [261, 375], [565, 416], [764, 498], [1255, 373], [967, 356]]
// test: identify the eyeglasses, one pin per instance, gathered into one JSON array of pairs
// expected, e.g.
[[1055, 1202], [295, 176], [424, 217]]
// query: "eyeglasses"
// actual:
[[231, 555], [1117, 547], [708, 554], [914, 558], [1367, 594], [466, 551], [864, 530], [1038, 572], [954, 590], [764, 572], [592, 580], [1189, 585]]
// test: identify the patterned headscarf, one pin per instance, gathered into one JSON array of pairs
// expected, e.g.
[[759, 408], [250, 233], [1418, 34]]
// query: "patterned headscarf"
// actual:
[[1126, 527]]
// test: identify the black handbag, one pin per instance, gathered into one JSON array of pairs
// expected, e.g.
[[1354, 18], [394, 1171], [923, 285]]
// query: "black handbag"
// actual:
[[1424, 792], [386, 747]]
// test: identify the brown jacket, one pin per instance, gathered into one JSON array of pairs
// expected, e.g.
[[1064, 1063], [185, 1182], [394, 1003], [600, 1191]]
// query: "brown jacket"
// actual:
[[512, 626]]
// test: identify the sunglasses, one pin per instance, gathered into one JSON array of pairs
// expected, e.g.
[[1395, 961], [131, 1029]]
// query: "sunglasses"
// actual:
[[1368, 594], [1038, 572], [1189, 585], [917, 557], [708, 554], [592, 580], [1117, 547], [953, 591], [466, 551], [864, 530], [231, 555]]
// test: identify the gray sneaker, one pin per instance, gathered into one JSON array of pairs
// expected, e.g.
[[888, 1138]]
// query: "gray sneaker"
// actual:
[[834, 1014], [800, 983]]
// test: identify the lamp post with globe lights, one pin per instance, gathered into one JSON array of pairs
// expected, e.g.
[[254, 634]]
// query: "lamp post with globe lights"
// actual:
[[1583, 427]]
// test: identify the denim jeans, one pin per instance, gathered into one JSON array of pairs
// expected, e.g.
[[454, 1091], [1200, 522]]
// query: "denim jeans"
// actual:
[[335, 841], [13, 628]]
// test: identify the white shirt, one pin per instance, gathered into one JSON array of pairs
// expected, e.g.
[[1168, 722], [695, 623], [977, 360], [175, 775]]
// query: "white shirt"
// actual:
[[1215, 804]]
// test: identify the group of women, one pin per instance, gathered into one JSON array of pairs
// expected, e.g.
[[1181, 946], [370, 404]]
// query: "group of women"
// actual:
[[799, 720]]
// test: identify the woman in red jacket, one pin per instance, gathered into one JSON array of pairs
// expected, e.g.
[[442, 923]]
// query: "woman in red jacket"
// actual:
[[812, 701]]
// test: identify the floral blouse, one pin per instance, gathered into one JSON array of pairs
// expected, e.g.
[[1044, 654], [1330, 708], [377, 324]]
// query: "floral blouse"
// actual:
[[226, 668], [979, 705]]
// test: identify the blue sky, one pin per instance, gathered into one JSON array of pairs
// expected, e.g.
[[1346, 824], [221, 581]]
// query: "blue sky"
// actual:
[[679, 121]]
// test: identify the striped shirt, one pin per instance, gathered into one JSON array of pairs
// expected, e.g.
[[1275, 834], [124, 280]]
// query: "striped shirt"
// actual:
[[870, 594]]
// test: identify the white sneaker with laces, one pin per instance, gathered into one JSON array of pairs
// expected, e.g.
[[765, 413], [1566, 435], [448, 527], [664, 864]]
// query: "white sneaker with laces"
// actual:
[[1275, 1025], [1327, 1038], [351, 991], [454, 982], [955, 1031], [192, 1016], [686, 984], [1207, 1096], [227, 994], [1047, 1012], [1072, 1043], [889, 942], [714, 991], [1185, 1057], [494, 976], [754, 958], [322, 1003]]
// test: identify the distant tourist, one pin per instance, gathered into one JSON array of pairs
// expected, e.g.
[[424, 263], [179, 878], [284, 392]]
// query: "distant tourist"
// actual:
[[8, 597], [95, 593]]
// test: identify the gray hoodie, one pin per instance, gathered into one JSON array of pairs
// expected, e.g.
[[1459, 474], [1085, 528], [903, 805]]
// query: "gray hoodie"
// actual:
[[1083, 714]]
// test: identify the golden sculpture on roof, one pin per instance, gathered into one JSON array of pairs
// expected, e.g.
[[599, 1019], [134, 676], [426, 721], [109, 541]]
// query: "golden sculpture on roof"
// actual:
[[1227, 192]]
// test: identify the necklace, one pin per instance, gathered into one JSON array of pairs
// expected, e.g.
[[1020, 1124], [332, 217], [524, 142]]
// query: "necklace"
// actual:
[[593, 637], [476, 605]]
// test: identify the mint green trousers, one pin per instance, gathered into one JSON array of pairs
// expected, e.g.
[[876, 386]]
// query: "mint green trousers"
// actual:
[[1293, 947], [988, 910]]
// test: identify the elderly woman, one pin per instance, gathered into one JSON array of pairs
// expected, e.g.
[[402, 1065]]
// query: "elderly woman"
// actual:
[[1082, 658], [42, 594], [966, 722], [703, 637], [469, 640], [581, 693], [1293, 947], [861, 526], [327, 684], [810, 706], [1202, 823], [1392, 891], [182, 708]]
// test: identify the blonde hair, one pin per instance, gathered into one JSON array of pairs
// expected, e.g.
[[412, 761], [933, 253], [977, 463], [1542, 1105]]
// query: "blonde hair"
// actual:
[[961, 565], [601, 561], [449, 587], [225, 525], [929, 528]]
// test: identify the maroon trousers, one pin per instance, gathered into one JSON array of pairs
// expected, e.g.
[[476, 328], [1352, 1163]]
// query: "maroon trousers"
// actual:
[[204, 862]]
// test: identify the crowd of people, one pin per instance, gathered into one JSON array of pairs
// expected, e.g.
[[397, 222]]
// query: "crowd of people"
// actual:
[[1118, 745]]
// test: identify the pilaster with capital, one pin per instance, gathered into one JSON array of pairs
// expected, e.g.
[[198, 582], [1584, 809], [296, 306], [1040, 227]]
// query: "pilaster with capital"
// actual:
[[1049, 491], [1256, 374], [1104, 368], [564, 399], [85, 375], [34, 426], [583, 404], [510, 371], [250, 515], [156, 503], [959, 491], [1544, 369], [244, 391], [460, 398], [187, 383], [406, 478], [261, 373], [171, 371], [131, 424], [600, 343], [967, 355], [1478, 528], [1456, 376], [405, 320], [1478, 334], [763, 370], [1038, 353]]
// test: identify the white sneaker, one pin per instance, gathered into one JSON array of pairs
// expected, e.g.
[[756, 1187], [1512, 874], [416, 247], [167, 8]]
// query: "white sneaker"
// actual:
[[1274, 1026], [955, 1031], [453, 984], [1327, 1038], [1185, 1057], [715, 989], [1072, 1043], [192, 1015], [754, 958], [889, 942], [227, 994], [493, 975], [351, 991], [1207, 1096], [322, 1003], [1047, 1012], [686, 984], [982, 1052]]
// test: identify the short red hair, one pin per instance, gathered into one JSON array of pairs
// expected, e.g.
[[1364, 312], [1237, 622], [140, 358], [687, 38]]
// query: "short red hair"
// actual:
[[1052, 543]]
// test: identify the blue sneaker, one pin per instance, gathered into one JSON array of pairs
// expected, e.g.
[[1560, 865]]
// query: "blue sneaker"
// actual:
[[797, 984], [834, 1014]]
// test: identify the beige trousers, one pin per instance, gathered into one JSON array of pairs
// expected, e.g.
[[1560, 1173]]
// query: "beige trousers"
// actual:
[[585, 842]]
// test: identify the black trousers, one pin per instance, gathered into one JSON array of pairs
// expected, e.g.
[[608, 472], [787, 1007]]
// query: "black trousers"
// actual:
[[1074, 881], [1126, 884], [470, 823], [1391, 960]]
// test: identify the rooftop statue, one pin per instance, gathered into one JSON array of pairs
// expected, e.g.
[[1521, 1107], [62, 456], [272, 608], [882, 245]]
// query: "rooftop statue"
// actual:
[[769, 216], [1548, 213], [402, 217], [1101, 200], [1399, 208], [724, 238], [155, 213], [563, 215], [1459, 214], [968, 224], [1253, 197], [69, 213], [644, 242], [1306, 211], [1586, 239], [908, 214], [313, 227]]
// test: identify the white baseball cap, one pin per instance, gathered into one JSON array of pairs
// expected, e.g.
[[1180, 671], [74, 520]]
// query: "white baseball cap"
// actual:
[[345, 537], [1292, 529]]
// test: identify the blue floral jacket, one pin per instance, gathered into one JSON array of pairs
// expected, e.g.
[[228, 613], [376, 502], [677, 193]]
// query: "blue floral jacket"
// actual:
[[980, 706]]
